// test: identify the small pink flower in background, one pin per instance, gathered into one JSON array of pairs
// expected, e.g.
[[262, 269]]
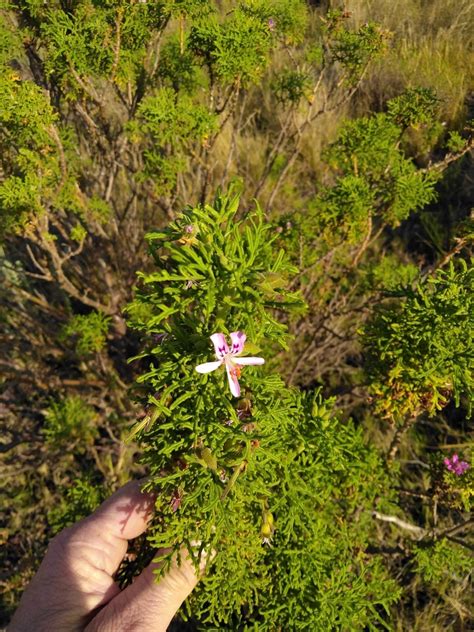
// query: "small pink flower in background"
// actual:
[[228, 357], [271, 24], [455, 465]]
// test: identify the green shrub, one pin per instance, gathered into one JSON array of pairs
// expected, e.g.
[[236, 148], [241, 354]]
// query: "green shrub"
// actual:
[[419, 349], [69, 420], [115, 115], [442, 561], [262, 479], [78, 502], [89, 331]]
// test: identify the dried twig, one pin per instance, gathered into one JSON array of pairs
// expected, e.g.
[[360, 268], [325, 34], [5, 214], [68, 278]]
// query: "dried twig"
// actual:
[[407, 526]]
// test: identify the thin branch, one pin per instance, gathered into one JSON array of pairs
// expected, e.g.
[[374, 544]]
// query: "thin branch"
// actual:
[[118, 25], [463, 543], [456, 529], [440, 166], [87, 87], [364, 244], [45, 273], [407, 526], [398, 436], [460, 243], [62, 158]]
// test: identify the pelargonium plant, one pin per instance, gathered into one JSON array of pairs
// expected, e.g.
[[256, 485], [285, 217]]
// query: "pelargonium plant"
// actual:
[[228, 356], [263, 476]]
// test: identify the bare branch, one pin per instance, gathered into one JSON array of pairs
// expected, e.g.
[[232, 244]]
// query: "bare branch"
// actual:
[[398, 436], [87, 87], [407, 526], [118, 25], [440, 166]]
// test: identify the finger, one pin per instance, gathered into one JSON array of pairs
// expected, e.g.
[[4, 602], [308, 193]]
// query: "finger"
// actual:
[[76, 575], [147, 605], [103, 536], [125, 514]]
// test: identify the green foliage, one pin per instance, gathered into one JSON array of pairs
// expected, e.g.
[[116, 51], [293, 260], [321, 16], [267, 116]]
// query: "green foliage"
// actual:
[[10, 41], [374, 183], [78, 501], [345, 208], [416, 106], [419, 349], [285, 19], [78, 233], [390, 274], [69, 420], [86, 38], [114, 115], [262, 480], [187, 8], [222, 271], [455, 142], [353, 49], [369, 149], [89, 332], [442, 561], [292, 86], [169, 124], [458, 489], [178, 67], [238, 48], [29, 157]]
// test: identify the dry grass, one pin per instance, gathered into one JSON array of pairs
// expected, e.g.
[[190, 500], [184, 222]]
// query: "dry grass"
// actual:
[[433, 46]]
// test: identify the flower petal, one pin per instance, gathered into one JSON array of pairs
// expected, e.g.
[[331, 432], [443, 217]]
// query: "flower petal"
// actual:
[[238, 340], [220, 345], [246, 361], [207, 367], [233, 381]]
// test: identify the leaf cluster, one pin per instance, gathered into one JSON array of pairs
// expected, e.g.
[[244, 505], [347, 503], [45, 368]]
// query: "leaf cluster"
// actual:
[[69, 420], [419, 348], [369, 149], [442, 562], [89, 332], [264, 480], [78, 502], [353, 49]]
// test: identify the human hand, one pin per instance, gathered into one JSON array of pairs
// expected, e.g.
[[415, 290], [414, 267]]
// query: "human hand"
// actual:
[[74, 587]]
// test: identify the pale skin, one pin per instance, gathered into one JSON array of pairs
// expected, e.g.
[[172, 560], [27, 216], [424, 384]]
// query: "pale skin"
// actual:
[[74, 589]]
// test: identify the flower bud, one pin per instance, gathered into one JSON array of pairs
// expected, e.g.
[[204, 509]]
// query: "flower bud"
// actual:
[[209, 459]]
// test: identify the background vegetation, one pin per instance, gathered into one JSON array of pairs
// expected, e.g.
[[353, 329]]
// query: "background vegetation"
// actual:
[[350, 127]]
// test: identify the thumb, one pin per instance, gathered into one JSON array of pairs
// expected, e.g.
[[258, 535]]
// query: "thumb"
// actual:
[[145, 605]]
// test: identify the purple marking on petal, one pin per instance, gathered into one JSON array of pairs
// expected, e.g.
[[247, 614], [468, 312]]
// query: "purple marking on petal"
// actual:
[[220, 345], [238, 340]]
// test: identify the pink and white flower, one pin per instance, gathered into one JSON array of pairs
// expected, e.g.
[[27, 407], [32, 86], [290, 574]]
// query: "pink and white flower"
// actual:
[[228, 357]]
